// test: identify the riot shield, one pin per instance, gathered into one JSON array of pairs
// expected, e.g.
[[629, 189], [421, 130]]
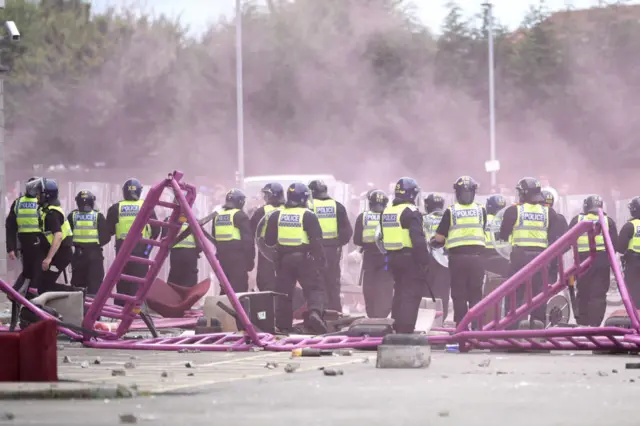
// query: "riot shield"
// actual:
[[502, 247], [438, 254], [378, 239], [268, 252]]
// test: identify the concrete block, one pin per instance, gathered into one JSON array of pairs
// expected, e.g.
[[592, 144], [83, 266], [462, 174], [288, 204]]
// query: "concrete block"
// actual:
[[427, 304], [404, 351], [69, 304]]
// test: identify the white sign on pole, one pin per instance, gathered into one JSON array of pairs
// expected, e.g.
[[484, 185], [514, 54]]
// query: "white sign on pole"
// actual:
[[492, 166]]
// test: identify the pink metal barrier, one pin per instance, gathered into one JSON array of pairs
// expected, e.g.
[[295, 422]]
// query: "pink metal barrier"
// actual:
[[495, 335]]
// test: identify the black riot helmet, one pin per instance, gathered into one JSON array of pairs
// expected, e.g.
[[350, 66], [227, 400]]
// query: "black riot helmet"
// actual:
[[406, 189], [28, 191], [495, 203], [132, 190], [318, 189], [529, 191], [234, 199], [46, 190], [549, 198], [591, 204], [465, 188], [273, 193], [433, 202], [85, 200], [378, 200], [297, 195], [634, 207]]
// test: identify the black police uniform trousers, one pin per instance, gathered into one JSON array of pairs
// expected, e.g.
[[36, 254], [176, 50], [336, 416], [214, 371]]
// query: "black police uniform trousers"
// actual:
[[409, 287], [32, 255], [134, 269], [266, 274], [332, 276], [467, 277], [47, 280], [521, 257], [87, 267], [439, 280], [183, 266], [632, 276], [592, 288], [377, 285], [292, 268], [233, 264]]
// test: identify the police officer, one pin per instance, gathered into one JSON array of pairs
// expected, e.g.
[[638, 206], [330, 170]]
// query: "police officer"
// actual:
[[629, 246], [56, 237], [494, 262], [462, 231], [23, 228], [297, 236], [336, 232], [120, 218], [529, 226], [377, 282], [90, 233], [403, 239], [274, 200], [593, 285], [183, 257], [235, 248], [438, 276], [562, 227]]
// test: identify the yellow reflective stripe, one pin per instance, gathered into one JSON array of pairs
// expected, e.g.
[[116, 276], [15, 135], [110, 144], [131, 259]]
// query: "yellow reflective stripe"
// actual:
[[531, 228], [27, 214], [189, 242], [66, 227], [127, 213], [224, 227]]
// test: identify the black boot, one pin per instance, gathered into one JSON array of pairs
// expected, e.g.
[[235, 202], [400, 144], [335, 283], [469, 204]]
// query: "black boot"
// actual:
[[315, 323]]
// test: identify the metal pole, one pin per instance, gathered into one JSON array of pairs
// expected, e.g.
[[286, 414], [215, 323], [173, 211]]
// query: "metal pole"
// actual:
[[239, 95], [492, 100], [3, 191]]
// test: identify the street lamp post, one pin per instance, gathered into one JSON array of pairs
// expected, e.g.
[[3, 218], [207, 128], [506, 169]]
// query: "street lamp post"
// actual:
[[492, 165], [3, 207], [239, 95]]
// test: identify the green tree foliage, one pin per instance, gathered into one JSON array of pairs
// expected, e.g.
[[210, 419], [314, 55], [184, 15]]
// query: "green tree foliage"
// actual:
[[324, 82]]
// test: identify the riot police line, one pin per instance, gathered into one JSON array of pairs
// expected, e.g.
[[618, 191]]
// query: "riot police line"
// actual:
[[533, 206]]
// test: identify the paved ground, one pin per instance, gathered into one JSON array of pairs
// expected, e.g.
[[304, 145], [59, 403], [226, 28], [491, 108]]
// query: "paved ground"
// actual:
[[238, 389]]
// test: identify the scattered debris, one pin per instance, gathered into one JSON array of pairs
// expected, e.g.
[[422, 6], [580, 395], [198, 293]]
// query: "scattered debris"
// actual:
[[445, 377], [501, 373], [632, 365], [290, 368], [366, 360], [60, 347], [128, 418], [189, 351], [632, 380], [189, 364], [164, 374], [485, 363], [256, 349], [84, 364], [66, 359], [97, 361], [332, 372], [129, 365], [343, 352], [271, 365], [133, 357], [118, 372], [7, 416], [602, 374], [190, 375], [614, 371], [443, 413]]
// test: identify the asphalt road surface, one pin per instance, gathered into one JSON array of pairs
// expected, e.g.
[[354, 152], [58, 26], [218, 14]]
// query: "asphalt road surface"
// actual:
[[253, 389]]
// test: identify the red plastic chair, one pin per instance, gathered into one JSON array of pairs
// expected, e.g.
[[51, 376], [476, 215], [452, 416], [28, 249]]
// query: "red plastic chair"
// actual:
[[172, 301]]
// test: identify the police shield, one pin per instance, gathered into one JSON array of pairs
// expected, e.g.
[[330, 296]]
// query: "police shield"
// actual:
[[438, 254], [268, 252], [378, 239], [502, 247]]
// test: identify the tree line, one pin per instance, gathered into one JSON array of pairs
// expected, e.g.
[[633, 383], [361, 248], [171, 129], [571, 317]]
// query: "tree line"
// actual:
[[358, 88]]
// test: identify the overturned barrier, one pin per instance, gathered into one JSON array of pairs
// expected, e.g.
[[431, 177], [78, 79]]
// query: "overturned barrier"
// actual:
[[496, 335]]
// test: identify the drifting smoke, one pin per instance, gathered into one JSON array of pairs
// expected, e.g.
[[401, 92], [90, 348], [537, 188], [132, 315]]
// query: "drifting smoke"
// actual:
[[341, 87]]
